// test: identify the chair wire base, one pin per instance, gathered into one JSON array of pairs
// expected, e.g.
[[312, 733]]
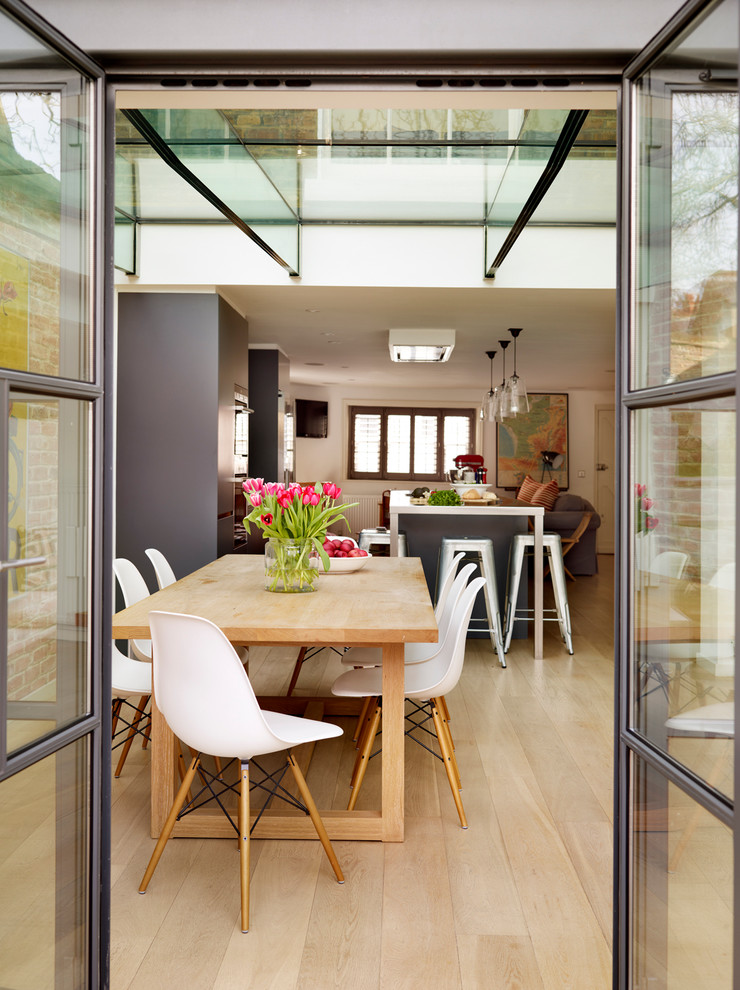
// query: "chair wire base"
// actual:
[[211, 780]]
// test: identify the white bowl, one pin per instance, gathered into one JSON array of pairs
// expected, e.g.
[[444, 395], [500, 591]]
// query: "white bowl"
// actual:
[[341, 565], [461, 489]]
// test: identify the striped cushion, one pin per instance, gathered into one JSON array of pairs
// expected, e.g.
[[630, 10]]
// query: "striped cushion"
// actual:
[[545, 495], [528, 488]]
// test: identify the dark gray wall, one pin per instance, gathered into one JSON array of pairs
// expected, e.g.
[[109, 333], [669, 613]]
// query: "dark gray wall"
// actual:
[[175, 368], [264, 440]]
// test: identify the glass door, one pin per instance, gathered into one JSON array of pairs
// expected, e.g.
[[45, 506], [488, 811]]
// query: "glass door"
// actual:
[[676, 733], [52, 586]]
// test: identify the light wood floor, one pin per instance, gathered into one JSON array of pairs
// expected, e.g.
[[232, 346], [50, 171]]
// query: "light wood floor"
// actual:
[[521, 900]]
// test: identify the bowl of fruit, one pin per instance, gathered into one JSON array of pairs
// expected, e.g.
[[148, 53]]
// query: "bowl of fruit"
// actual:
[[344, 555]]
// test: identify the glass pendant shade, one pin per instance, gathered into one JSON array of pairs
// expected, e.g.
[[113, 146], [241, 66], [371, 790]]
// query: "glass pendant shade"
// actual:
[[518, 399]]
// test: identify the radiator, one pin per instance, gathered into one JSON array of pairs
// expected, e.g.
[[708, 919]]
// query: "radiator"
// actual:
[[362, 516]]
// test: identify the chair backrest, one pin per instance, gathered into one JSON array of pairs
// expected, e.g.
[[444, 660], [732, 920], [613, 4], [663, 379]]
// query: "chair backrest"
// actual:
[[725, 577], [442, 672], [134, 589], [414, 652], [132, 584], [669, 563], [165, 574], [447, 583], [129, 676], [203, 691], [444, 617]]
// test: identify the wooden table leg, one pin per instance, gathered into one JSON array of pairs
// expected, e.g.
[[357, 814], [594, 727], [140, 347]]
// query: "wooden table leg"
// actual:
[[163, 771], [393, 743]]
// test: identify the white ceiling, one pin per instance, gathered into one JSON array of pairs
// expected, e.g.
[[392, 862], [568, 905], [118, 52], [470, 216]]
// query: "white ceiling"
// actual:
[[338, 335]]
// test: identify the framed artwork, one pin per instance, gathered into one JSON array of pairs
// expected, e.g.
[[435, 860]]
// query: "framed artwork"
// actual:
[[521, 441]]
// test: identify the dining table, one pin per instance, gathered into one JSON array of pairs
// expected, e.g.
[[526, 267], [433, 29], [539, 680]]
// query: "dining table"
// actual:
[[385, 603]]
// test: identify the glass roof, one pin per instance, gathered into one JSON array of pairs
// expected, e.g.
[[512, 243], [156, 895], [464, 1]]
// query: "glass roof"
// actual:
[[272, 171]]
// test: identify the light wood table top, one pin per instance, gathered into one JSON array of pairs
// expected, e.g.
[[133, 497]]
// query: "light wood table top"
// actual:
[[386, 603]]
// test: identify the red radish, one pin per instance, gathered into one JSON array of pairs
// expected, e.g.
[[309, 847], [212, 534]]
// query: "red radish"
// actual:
[[348, 545]]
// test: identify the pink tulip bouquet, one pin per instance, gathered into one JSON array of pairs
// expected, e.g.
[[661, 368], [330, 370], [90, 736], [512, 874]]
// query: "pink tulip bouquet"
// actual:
[[644, 522], [294, 512]]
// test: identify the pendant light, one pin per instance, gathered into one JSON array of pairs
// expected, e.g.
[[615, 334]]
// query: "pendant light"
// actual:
[[518, 400], [490, 399], [504, 403]]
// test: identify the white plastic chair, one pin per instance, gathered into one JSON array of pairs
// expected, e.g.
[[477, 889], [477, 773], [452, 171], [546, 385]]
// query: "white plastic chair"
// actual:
[[165, 574], [134, 589], [129, 679], [212, 708], [669, 563], [425, 684]]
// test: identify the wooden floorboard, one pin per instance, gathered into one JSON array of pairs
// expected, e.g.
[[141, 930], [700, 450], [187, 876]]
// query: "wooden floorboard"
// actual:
[[520, 900]]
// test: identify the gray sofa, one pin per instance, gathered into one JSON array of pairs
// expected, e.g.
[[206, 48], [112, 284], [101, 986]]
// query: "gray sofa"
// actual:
[[563, 519]]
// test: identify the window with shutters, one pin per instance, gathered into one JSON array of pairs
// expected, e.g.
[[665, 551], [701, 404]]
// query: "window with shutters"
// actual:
[[414, 444]]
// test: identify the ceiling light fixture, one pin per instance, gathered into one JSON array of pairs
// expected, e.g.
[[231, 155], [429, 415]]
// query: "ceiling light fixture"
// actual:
[[518, 400], [489, 405], [421, 346]]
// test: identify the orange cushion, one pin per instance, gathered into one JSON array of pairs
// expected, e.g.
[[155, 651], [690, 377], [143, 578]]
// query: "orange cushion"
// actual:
[[528, 488], [545, 495]]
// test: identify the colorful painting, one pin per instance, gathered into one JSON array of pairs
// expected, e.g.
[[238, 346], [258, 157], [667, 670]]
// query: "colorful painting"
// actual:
[[522, 439], [13, 310]]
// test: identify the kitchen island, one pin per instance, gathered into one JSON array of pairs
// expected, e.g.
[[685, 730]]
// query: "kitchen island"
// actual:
[[425, 525]]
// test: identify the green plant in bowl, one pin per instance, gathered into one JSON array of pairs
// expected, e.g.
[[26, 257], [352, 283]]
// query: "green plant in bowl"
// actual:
[[444, 497]]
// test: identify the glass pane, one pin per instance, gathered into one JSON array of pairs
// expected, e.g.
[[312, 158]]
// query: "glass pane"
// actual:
[[683, 890], [48, 517], [124, 251], [366, 454], [44, 840], [399, 444], [425, 444], [683, 463], [45, 205], [686, 208], [205, 143], [457, 439]]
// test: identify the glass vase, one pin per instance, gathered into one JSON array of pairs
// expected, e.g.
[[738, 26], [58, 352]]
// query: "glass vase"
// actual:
[[288, 565]]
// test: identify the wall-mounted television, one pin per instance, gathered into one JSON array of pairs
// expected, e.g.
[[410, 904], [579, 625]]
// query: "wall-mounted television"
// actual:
[[311, 418]]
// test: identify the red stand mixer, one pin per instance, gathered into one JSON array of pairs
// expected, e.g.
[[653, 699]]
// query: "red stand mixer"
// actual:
[[465, 464]]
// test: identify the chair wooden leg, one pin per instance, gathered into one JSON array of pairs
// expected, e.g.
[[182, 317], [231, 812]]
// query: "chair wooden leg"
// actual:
[[364, 758], [362, 738], [130, 737], [148, 728], [169, 824], [450, 743], [315, 817], [444, 710], [244, 844], [297, 669], [360, 720], [447, 757], [117, 702]]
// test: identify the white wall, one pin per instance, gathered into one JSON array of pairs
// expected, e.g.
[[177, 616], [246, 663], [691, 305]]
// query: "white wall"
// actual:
[[326, 459]]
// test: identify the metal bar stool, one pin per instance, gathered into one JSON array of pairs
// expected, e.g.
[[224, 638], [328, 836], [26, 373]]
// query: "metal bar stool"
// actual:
[[381, 536], [482, 547], [523, 543]]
